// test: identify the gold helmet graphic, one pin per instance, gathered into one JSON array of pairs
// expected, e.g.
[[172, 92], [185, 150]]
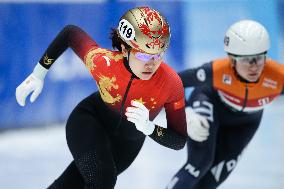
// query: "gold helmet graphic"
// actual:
[[145, 30]]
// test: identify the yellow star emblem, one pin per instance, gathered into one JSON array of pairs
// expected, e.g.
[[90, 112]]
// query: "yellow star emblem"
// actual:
[[140, 100]]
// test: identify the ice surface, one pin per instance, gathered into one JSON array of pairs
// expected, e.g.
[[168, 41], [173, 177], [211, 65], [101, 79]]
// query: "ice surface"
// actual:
[[33, 158]]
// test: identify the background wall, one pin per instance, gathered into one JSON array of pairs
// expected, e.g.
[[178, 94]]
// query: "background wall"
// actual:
[[27, 28], [31, 158]]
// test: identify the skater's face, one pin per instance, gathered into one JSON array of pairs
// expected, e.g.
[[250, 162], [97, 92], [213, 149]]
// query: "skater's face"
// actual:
[[249, 67], [143, 65]]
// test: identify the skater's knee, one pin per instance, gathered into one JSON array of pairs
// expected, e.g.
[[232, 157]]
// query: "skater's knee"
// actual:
[[96, 172]]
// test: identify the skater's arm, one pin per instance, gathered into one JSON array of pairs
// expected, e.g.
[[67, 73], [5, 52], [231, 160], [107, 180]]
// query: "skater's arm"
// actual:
[[196, 76], [174, 136], [168, 138], [70, 36]]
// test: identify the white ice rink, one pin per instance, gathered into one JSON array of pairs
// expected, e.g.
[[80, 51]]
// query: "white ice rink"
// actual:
[[33, 158]]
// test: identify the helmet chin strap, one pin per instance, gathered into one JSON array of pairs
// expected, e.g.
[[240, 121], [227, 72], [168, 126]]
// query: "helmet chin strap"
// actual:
[[127, 66], [128, 55]]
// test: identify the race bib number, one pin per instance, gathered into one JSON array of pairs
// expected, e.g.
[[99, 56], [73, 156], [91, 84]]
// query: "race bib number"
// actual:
[[126, 30]]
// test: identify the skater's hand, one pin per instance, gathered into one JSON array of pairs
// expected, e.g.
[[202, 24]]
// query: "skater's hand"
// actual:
[[139, 115], [32, 84], [197, 126]]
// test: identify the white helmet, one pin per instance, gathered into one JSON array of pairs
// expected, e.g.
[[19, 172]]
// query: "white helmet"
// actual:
[[246, 37]]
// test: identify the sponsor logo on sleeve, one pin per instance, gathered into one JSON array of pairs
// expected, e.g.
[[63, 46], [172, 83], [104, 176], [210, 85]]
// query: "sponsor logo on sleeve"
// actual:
[[227, 79], [201, 75]]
